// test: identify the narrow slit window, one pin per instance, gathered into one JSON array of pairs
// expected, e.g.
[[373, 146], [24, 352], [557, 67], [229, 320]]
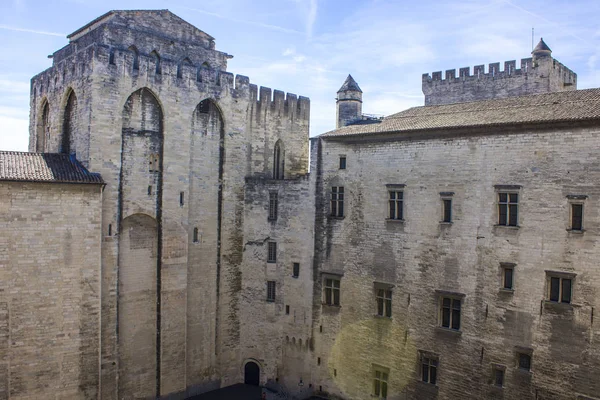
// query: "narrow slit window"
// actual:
[[272, 252], [181, 199], [577, 217], [270, 290], [447, 205], [149, 190], [195, 236], [296, 270], [109, 229], [273, 206], [342, 162], [507, 277]]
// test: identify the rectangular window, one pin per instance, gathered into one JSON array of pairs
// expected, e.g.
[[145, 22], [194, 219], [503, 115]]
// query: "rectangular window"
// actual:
[[181, 199], [577, 217], [498, 376], [396, 204], [450, 310], [337, 201], [342, 162], [384, 303], [560, 289], [447, 205], [507, 276], [524, 360], [429, 367], [296, 270], [270, 290], [272, 256], [508, 208], [380, 382], [273, 204], [332, 292]]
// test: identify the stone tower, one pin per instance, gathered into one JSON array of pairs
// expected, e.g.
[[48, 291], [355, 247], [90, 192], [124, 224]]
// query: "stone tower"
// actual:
[[539, 74], [349, 103], [192, 157]]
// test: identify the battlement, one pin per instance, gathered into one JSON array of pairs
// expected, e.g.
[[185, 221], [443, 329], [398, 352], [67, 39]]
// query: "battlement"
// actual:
[[449, 87]]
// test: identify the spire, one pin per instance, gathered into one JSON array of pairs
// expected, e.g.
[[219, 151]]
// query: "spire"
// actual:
[[541, 49], [350, 84]]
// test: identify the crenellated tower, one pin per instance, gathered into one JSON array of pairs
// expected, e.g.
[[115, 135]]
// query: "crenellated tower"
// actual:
[[539, 74], [349, 103]]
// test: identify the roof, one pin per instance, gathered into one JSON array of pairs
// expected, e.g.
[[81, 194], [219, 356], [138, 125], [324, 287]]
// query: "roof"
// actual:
[[350, 84], [107, 17], [541, 46], [44, 167], [569, 106]]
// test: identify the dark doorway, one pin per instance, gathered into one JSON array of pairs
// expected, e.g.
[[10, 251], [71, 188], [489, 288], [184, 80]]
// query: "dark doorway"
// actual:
[[251, 374]]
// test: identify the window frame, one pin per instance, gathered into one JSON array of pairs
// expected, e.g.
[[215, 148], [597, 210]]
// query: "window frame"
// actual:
[[504, 267], [343, 160], [495, 369], [295, 270], [273, 205], [523, 351], [381, 380], [398, 204], [561, 277], [508, 191], [579, 201], [329, 290], [271, 291], [447, 197], [454, 298], [336, 202], [272, 252], [431, 361], [384, 295]]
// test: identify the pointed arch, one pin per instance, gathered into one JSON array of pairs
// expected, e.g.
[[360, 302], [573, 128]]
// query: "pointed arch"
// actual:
[[69, 123], [278, 160], [135, 64], [185, 61], [158, 69], [43, 126]]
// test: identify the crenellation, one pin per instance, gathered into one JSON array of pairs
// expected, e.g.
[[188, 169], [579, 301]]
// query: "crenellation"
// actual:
[[510, 67], [242, 83], [278, 104], [494, 69], [436, 76], [464, 72], [478, 71], [450, 74]]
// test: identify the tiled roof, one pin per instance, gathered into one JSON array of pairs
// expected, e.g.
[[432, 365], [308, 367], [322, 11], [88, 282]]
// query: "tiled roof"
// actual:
[[571, 106], [44, 167]]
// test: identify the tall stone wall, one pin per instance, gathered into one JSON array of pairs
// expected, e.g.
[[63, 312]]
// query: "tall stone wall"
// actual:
[[421, 258], [175, 138], [49, 290]]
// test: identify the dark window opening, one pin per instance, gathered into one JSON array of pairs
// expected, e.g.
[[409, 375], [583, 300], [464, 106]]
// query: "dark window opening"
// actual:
[[111, 57], [150, 190], [560, 289], [204, 107], [272, 252], [342, 162], [577, 217], [332, 292], [318, 360], [195, 236], [270, 290], [451, 313], [396, 205], [273, 205], [296, 270], [384, 303], [507, 277], [278, 161], [109, 229], [181, 199], [525, 361], [158, 68], [337, 201], [508, 209], [447, 210], [498, 377], [287, 310], [429, 370]]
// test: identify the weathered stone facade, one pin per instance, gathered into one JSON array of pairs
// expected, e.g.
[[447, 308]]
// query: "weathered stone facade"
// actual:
[[216, 251]]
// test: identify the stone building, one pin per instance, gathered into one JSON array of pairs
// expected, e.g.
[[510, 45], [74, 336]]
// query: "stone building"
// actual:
[[443, 252]]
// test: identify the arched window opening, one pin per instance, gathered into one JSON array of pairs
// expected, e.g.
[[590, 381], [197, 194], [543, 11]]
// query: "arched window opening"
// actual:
[[278, 161], [69, 124], [136, 58], [43, 129], [111, 57], [156, 57], [186, 61]]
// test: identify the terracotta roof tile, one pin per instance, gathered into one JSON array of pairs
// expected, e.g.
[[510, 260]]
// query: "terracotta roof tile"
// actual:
[[44, 167], [577, 105]]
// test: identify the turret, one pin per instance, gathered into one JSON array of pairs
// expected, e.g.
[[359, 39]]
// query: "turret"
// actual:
[[349, 103], [541, 51]]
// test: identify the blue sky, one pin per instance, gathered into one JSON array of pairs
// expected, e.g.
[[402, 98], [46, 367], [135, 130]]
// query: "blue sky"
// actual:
[[308, 47]]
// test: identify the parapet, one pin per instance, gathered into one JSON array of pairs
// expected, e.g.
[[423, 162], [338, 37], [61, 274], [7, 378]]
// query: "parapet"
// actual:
[[448, 87]]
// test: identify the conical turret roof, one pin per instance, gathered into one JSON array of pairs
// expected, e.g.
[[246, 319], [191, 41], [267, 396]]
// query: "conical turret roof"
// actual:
[[541, 47], [350, 84]]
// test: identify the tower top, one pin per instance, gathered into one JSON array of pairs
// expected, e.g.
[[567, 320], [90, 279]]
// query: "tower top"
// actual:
[[350, 84], [542, 49]]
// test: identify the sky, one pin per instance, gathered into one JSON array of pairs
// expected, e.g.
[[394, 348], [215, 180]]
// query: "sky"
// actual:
[[308, 47]]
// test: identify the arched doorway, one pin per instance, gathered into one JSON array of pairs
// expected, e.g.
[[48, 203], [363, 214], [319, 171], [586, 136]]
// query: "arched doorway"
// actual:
[[251, 373]]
